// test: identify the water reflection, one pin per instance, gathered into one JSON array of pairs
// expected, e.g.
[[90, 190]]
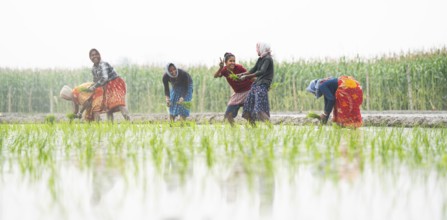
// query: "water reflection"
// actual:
[[349, 169], [103, 180], [240, 181], [267, 192], [231, 184], [344, 162]]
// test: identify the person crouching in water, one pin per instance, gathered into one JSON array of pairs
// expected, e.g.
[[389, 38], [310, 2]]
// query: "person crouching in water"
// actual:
[[85, 102], [179, 97], [343, 96], [240, 87]]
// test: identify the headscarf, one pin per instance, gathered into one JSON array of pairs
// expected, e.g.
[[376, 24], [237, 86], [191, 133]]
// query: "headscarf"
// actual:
[[66, 93], [91, 50], [314, 87], [263, 49], [167, 70]]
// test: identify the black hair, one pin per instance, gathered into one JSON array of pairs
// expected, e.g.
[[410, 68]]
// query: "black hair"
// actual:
[[227, 56]]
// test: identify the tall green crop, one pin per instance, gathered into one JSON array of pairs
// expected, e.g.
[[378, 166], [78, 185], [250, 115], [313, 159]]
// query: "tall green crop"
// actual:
[[411, 81]]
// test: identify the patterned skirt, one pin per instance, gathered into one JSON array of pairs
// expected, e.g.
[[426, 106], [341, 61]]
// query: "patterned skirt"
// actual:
[[238, 98], [348, 99], [257, 101], [81, 97], [115, 94], [176, 109]]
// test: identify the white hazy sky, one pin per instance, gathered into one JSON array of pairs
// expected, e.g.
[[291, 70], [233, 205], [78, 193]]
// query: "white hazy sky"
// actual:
[[59, 33]]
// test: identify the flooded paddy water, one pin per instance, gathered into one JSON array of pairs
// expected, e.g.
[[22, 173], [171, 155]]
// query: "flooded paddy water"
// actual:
[[157, 170]]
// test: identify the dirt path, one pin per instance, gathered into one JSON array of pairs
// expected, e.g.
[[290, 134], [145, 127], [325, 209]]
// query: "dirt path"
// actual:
[[387, 118]]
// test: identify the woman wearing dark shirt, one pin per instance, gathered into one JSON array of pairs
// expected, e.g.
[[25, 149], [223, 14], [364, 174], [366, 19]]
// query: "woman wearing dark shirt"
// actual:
[[113, 87], [343, 96], [256, 106], [240, 87], [181, 91]]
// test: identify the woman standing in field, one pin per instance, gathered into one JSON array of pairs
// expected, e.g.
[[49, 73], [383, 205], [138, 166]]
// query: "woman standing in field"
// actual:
[[84, 100], [113, 86], [240, 87], [256, 106], [178, 99], [343, 95]]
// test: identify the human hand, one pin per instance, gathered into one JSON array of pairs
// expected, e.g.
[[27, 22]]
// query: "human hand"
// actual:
[[91, 88], [221, 63], [180, 100], [322, 116], [243, 77], [168, 101]]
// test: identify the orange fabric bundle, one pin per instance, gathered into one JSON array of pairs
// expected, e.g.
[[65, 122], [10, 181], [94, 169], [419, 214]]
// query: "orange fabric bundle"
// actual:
[[81, 95]]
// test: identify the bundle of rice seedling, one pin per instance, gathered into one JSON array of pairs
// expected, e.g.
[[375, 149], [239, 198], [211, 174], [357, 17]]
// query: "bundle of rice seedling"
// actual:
[[274, 86], [313, 115], [233, 76], [83, 89], [186, 105], [50, 119], [71, 116]]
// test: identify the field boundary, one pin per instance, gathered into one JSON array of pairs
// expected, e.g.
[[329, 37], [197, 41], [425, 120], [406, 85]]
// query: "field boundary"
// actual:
[[372, 118]]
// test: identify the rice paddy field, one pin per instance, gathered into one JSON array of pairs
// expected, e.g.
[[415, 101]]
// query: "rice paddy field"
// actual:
[[215, 171], [394, 167]]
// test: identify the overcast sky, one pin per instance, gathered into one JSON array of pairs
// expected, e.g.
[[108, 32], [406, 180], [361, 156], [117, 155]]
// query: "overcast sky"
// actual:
[[59, 33]]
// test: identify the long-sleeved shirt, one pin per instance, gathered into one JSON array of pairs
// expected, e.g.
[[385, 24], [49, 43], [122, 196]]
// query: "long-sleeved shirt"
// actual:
[[182, 81], [328, 89], [237, 85], [103, 73], [263, 70]]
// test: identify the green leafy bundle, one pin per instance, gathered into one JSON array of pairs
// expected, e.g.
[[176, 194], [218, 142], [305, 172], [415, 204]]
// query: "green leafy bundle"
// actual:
[[313, 115], [186, 105], [83, 89], [71, 116], [233, 76], [50, 119]]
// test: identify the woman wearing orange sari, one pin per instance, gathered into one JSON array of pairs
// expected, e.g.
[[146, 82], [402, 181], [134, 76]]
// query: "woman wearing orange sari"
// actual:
[[343, 96], [85, 102]]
